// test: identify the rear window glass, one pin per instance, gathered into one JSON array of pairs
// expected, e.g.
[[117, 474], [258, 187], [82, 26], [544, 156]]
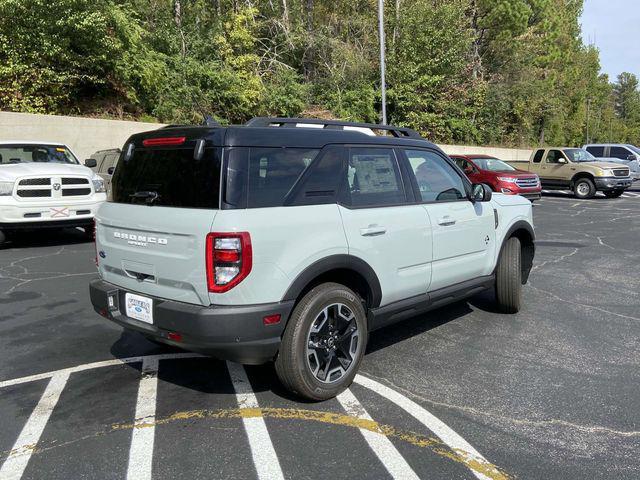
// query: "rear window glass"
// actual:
[[273, 172], [169, 178]]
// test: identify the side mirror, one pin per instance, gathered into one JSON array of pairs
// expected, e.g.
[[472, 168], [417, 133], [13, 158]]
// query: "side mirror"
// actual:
[[562, 160], [110, 170], [480, 192], [631, 158], [90, 162]]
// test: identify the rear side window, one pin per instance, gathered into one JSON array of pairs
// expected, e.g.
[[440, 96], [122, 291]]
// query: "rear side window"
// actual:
[[538, 156], [374, 178], [169, 178], [596, 151], [619, 152], [273, 172]]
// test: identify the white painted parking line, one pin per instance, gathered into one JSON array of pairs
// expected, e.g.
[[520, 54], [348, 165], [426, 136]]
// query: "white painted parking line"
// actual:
[[395, 463], [473, 460], [262, 451], [454, 441], [91, 366], [143, 432], [16, 462]]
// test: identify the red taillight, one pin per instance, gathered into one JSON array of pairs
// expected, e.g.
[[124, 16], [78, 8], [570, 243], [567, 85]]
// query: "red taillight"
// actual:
[[163, 141], [229, 258]]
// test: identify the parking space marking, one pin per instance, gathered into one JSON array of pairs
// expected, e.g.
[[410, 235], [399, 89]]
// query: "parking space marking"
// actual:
[[264, 455], [479, 465], [392, 460], [143, 432], [460, 450], [16, 462]]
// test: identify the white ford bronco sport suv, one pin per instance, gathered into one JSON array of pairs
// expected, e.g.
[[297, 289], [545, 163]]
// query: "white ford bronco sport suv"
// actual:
[[42, 185], [292, 239]]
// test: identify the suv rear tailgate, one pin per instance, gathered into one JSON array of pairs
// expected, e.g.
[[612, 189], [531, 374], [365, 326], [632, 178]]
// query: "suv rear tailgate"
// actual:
[[153, 250]]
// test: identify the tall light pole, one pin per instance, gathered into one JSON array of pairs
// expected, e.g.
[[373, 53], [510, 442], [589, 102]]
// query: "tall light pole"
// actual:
[[588, 111], [382, 60]]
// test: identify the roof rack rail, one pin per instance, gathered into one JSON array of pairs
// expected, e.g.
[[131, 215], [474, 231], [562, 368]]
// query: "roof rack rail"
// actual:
[[330, 124]]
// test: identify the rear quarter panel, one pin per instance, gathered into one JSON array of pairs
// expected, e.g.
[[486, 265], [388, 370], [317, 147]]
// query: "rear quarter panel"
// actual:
[[285, 241]]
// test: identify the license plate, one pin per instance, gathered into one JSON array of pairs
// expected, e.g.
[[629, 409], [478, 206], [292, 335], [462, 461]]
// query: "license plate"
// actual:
[[59, 212], [140, 308]]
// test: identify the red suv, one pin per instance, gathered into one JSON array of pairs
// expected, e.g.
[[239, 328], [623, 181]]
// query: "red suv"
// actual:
[[499, 175]]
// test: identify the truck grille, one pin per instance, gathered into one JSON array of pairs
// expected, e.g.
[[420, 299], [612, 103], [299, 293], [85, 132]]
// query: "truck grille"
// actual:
[[75, 192], [34, 193], [621, 172], [75, 181], [51, 187], [35, 181], [527, 182]]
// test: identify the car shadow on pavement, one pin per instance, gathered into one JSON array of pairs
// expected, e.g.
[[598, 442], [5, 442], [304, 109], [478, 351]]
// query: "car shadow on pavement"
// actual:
[[46, 238], [192, 373], [411, 327], [569, 195]]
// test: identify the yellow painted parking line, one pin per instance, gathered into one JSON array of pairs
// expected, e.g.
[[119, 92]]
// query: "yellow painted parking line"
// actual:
[[448, 444], [264, 455], [395, 463]]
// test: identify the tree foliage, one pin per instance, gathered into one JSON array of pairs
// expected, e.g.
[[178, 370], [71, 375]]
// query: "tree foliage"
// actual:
[[510, 72]]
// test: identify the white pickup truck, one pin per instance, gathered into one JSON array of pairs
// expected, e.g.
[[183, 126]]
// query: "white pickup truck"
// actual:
[[42, 185]]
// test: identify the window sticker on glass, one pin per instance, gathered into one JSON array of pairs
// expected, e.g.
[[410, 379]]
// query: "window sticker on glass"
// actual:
[[374, 174]]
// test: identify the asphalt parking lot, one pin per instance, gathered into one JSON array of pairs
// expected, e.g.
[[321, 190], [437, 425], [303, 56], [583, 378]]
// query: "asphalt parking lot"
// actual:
[[462, 392]]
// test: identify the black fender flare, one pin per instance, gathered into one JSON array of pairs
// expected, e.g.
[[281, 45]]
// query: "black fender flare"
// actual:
[[334, 262], [529, 249]]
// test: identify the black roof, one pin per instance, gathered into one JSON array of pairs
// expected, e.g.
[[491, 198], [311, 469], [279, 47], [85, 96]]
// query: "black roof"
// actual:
[[278, 132]]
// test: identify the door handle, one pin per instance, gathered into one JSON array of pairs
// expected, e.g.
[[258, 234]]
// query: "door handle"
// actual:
[[373, 231], [446, 220]]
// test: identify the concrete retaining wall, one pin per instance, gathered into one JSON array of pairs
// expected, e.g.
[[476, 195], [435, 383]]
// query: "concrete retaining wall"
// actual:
[[87, 135], [508, 154], [83, 135]]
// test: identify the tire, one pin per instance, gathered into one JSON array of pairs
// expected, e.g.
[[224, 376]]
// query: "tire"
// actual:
[[509, 277], [3, 237], [301, 367], [584, 188], [89, 232], [613, 193]]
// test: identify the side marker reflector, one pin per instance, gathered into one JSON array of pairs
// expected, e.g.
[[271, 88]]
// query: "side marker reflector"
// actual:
[[271, 319]]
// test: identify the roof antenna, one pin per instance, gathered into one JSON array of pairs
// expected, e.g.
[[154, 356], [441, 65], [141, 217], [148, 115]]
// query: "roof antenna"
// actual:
[[209, 121]]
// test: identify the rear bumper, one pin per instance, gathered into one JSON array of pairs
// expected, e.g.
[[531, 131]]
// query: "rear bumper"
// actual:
[[76, 222], [612, 183], [231, 333]]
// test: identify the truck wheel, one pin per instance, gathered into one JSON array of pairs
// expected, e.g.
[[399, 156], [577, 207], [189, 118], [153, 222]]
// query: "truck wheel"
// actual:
[[613, 193], [509, 277], [324, 343], [584, 188]]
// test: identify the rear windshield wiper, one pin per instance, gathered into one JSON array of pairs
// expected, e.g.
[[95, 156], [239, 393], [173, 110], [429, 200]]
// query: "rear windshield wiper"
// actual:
[[148, 196]]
